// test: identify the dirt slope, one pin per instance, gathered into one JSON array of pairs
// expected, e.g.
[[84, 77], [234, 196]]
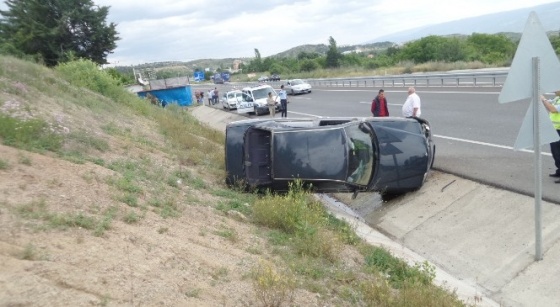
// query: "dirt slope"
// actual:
[[70, 236]]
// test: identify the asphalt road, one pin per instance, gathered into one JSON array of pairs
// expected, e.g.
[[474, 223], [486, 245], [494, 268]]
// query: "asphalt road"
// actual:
[[473, 133]]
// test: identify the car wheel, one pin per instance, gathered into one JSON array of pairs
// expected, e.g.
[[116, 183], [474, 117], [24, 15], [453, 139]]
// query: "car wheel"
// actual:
[[293, 93], [257, 112]]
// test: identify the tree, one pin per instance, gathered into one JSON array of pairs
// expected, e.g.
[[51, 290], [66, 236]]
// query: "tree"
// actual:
[[492, 48], [57, 30], [333, 55], [256, 64]]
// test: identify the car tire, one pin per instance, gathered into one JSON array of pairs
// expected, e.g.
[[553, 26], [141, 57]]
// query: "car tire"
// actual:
[[257, 112], [293, 93]]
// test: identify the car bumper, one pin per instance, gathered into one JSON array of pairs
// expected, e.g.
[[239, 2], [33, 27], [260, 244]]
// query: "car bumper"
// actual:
[[302, 91]]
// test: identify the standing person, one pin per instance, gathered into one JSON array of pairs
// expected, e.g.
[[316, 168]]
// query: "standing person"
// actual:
[[379, 105], [210, 94], [197, 96], [553, 108], [271, 103], [215, 96], [201, 97], [411, 107], [283, 101]]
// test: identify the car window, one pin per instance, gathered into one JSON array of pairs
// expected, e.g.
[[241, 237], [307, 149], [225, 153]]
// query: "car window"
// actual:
[[360, 155], [247, 97], [297, 81], [263, 92]]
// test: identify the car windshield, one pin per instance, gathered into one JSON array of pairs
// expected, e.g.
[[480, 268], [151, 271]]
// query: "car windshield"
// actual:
[[360, 154], [263, 92], [297, 81]]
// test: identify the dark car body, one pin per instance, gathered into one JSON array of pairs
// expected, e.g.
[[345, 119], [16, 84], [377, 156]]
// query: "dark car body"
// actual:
[[388, 155]]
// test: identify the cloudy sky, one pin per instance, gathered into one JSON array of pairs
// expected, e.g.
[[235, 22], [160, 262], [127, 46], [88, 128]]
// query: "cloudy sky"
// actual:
[[183, 30]]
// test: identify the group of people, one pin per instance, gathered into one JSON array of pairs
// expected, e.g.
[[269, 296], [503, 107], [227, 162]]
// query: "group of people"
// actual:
[[410, 108], [213, 96]]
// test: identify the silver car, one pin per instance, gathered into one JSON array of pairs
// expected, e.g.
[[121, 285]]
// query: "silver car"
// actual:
[[297, 86], [230, 99]]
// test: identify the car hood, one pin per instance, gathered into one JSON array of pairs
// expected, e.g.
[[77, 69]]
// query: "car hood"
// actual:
[[310, 154]]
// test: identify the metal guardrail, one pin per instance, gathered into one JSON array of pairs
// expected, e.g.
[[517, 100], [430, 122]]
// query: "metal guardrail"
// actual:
[[486, 78]]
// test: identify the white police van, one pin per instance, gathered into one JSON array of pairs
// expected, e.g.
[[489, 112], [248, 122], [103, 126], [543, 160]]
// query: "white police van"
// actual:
[[254, 99]]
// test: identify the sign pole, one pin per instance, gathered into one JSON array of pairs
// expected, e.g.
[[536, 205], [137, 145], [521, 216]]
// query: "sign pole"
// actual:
[[538, 159]]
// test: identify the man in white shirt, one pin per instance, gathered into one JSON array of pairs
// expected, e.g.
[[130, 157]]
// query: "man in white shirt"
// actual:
[[411, 107], [210, 97]]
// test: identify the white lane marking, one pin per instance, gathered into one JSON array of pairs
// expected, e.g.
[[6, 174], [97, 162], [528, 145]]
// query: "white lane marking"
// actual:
[[420, 92], [486, 144], [306, 114]]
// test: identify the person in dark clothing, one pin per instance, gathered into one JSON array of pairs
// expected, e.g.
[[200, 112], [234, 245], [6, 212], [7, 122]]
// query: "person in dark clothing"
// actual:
[[283, 101], [379, 105]]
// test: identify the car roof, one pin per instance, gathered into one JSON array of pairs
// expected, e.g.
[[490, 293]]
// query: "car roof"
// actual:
[[257, 87]]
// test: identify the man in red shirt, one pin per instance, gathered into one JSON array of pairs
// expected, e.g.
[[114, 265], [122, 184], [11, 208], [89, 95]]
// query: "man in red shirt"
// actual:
[[379, 105]]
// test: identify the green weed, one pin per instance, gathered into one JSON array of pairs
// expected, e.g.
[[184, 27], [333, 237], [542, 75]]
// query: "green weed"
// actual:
[[24, 159], [228, 233], [32, 134], [4, 164], [273, 287], [29, 252], [131, 217], [397, 270]]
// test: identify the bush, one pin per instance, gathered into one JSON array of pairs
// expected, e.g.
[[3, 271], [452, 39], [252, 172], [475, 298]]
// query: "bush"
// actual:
[[30, 134]]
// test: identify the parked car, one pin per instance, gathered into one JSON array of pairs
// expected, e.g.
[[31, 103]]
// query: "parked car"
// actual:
[[217, 78], [263, 78], [389, 155], [275, 77], [230, 99], [297, 86], [253, 99]]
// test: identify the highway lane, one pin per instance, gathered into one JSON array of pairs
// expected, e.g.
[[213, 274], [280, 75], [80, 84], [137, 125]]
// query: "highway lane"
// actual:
[[474, 134]]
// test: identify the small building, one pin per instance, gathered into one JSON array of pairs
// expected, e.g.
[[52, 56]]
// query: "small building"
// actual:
[[168, 91]]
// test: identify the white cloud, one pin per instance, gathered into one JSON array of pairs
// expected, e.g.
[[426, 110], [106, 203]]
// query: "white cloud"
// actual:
[[165, 30]]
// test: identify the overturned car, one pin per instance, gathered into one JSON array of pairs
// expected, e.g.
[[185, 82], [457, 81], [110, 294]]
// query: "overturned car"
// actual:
[[383, 154]]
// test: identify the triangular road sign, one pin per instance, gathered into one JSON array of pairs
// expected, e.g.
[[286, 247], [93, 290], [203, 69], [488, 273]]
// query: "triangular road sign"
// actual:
[[525, 136], [534, 43]]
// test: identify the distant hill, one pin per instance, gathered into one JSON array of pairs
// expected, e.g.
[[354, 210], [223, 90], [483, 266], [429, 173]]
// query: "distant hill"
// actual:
[[509, 21]]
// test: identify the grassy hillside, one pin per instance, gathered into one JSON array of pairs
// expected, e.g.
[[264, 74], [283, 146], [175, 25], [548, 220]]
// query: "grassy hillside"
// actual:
[[107, 200]]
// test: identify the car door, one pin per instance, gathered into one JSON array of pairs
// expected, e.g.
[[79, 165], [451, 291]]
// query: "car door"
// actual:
[[245, 104]]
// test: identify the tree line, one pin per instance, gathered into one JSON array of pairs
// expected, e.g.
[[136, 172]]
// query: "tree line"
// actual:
[[490, 49]]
